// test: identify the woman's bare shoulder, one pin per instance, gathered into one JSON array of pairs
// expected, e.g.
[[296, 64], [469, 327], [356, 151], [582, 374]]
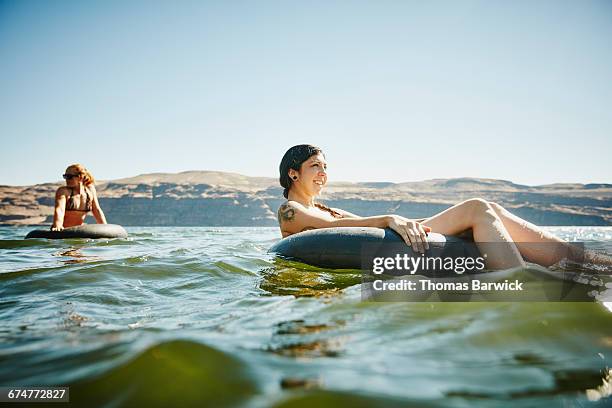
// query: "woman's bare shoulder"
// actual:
[[290, 218], [62, 190], [286, 211]]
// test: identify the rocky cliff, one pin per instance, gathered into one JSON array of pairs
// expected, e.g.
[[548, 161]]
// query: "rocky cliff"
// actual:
[[227, 199]]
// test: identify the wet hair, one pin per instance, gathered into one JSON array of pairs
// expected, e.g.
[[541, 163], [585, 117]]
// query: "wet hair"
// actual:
[[293, 159], [88, 179]]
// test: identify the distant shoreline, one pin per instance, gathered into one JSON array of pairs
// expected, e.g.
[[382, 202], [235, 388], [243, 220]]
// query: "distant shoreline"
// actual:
[[210, 198]]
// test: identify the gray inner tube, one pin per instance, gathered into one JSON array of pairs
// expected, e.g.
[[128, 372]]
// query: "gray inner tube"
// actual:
[[348, 247], [82, 231]]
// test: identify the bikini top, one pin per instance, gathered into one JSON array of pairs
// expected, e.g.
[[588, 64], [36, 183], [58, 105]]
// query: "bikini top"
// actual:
[[73, 205]]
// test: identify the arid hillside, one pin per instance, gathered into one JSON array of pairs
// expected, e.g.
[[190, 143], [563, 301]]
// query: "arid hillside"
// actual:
[[218, 198]]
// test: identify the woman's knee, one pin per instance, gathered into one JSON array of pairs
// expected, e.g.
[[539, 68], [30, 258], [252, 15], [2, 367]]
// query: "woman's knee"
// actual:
[[477, 204], [478, 208], [497, 208]]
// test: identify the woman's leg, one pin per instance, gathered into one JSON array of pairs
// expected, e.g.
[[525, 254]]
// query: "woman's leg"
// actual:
[[534, 243], [490, 234]]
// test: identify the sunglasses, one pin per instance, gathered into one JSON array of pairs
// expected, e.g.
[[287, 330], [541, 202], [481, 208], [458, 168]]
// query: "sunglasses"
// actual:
[[69, 176]]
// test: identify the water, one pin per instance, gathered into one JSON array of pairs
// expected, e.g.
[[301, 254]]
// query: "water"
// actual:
[[175, 316]]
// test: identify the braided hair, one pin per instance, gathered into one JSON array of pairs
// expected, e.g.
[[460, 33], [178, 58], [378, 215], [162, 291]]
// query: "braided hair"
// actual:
[[334, 213]]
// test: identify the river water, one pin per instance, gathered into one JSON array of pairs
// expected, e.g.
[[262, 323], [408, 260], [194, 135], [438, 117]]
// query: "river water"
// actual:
[[204, 316]]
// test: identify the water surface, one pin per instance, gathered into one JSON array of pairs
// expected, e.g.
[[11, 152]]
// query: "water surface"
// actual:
[[179, 315]]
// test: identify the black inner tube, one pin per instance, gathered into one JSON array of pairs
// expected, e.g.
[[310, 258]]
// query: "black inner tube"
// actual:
[[82, 231], [350, 247]]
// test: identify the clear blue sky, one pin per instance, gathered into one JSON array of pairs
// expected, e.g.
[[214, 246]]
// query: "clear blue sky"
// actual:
[[391, 90]]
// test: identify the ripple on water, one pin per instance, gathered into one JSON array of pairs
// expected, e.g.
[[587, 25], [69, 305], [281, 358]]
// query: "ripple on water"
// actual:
[[156, 310], [175, 372]]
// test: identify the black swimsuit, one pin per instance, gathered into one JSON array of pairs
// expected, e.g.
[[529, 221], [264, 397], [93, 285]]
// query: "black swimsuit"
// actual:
[[72, 206]]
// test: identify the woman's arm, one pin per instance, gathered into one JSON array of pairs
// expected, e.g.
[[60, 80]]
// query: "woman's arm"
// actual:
[[351, 215], [294, 217], [96, 209], [58, 213], [345, 214]]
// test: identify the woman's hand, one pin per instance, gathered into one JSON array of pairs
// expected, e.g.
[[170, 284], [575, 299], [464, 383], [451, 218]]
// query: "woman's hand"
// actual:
[[411, 231], [56, 228]]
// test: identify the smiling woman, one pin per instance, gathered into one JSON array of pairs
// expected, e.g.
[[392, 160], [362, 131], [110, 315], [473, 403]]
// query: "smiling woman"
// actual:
[[506, 239], [303, 174]]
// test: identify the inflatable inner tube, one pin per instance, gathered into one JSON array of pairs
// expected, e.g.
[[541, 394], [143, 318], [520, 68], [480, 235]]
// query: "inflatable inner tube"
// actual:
[[82, 231], [347, 247]]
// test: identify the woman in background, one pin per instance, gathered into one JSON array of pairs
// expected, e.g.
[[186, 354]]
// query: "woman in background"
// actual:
[[76, 199]]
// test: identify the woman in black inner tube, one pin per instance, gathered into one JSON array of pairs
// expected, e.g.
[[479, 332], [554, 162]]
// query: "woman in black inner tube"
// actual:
[[505, 237], [76, 199]]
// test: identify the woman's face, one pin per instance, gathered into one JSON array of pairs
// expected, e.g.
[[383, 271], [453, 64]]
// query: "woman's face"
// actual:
[[72, 177], [313, 174]]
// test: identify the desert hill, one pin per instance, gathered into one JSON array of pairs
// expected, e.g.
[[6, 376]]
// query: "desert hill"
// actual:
[[222, 198]]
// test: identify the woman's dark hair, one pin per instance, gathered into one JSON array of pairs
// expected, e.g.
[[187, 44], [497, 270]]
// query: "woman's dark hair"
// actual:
[[293, 159]]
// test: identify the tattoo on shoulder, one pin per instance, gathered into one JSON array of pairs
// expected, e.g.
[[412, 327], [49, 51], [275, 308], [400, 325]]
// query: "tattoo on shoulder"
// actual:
[[285, 213]]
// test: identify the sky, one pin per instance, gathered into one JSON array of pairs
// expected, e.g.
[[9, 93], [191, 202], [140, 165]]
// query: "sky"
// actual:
[[390, 90]]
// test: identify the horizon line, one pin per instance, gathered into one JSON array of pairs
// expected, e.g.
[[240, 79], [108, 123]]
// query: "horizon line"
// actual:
[[102, 181]]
